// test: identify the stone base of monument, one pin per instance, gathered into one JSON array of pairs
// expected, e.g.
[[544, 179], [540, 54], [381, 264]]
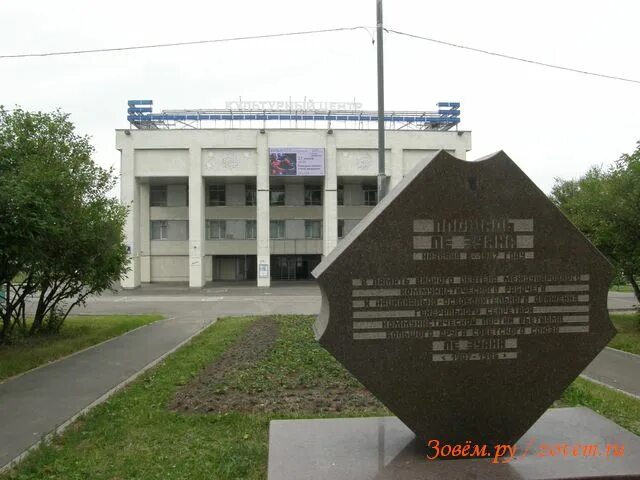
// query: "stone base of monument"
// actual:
[[567, 443]]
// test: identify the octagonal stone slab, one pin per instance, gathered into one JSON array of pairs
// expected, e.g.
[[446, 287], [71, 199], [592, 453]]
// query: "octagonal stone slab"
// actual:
[[465, 301]]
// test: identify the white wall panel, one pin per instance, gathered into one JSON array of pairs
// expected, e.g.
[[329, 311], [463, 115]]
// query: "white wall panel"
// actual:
[[356, 162], [165, 268], [229, 162], [162, 163]]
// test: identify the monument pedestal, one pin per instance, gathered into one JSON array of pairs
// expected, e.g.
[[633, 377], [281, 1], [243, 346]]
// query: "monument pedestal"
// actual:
[[565, 443]]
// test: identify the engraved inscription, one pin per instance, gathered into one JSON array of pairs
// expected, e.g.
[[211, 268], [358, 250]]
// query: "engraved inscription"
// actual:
[[473, 239], [470, 317]]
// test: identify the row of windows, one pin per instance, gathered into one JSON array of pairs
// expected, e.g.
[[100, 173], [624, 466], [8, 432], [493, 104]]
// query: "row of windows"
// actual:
[[217, 230], [221, 229], [158, 195], [170, 230], [217, 195]]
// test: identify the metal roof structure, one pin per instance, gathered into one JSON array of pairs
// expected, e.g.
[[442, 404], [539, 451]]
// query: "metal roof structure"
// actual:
[[140, 115]]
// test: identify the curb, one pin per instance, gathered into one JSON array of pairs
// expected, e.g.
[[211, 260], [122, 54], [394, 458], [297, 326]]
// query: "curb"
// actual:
[[61, 428], [598, 382], [632, 355]]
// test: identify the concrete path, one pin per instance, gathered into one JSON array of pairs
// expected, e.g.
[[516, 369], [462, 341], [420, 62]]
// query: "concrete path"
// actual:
[[42, 400], [616, 369], [622, 301], [38, 402]]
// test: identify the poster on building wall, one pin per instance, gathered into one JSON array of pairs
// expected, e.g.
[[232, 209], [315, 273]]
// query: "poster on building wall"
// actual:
[[263, 270], [296, 162]]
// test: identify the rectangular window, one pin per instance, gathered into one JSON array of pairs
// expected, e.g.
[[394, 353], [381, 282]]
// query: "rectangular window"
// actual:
[[276, 195], [370, 195], [276, 229], [340, 194], [250, 195], [176, 230], [313, 194], [216, 229], [158, 196], [159, 230], [340, 228], [250, 230], [217, 195], [312, 229]]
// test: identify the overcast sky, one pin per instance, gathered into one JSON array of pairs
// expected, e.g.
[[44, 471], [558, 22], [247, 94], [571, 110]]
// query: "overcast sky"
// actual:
[[552, 123]]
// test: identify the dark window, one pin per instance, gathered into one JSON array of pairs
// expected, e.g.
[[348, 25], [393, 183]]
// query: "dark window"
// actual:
[[250, 230], [312, 229], [217, 195], [250, 195], [340, 194], [313, 194], [158, 196], [370, 195], [340, 228], [276, 195], [276, 229], [159, 230], [216, 229], [176, 230]]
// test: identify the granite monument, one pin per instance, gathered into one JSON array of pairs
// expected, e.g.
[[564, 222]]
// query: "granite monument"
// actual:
[[465, 301]]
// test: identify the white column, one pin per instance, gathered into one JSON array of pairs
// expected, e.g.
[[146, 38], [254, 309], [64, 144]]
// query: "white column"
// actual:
[[262, 212], [330, 200], [129, 196], [397, 166], [145, 237], [196, 219]]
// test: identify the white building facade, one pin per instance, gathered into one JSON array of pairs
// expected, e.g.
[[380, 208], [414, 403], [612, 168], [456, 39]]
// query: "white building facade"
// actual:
[[205, 207]]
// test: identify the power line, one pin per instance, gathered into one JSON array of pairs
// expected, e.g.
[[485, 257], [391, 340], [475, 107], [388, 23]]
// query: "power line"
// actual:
[[321, 31], [511, 57], [180, 44]]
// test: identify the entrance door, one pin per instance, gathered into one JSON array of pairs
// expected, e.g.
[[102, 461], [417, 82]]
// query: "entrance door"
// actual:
[[293, 267], [234, 267], [227, 268]]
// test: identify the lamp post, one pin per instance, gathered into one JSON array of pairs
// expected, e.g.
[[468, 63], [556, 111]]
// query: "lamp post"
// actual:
[[381, 169]]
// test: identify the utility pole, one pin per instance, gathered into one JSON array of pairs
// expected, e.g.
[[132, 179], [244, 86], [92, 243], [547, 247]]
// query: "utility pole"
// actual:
[[381, 174]]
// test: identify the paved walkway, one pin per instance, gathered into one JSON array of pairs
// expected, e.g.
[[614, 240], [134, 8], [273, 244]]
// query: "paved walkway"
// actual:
[[38, 402], [622, 301], [616, 369]]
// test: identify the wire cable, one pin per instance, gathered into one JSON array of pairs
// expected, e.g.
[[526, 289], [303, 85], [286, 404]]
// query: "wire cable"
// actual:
[[511, 57], [321, 31], [180, 44]]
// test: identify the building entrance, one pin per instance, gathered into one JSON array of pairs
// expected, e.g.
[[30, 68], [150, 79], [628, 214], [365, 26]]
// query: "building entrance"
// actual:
[[293, 267], [234, 267]]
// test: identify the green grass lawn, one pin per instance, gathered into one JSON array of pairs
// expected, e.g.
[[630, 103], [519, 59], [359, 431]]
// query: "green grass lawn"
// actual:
[[135, 436], [628, 337], [76, 333], [621, 288], [618, 407]]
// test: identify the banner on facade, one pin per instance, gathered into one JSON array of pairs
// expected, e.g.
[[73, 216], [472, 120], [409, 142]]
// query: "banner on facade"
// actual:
[[296, 162]]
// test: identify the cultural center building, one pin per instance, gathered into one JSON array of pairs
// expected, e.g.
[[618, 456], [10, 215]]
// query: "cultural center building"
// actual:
[[262, 191]]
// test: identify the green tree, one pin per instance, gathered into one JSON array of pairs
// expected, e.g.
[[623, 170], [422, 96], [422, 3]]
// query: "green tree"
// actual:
[[61, 236], [605, 205]]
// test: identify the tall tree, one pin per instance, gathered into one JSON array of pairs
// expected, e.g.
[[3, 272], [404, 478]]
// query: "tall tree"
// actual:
[[61, 236], [605, 205]]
